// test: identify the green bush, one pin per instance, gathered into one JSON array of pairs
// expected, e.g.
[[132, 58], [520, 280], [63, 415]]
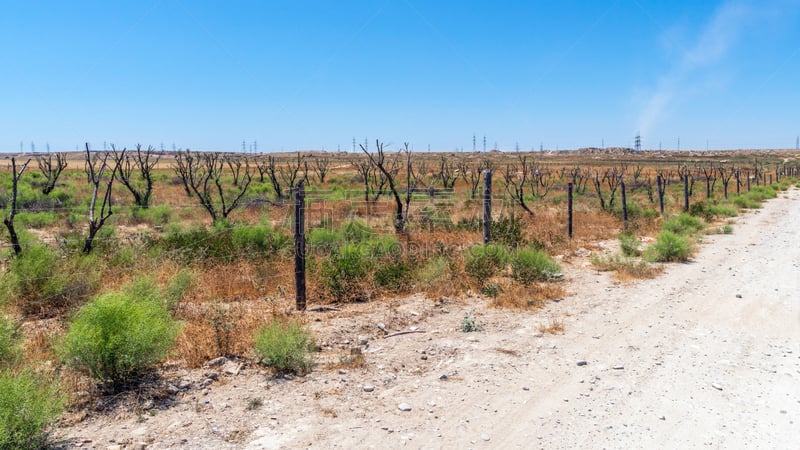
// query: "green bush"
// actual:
[[117, 335], [507, 230], [324, 239], [345, 271], [259, 238], [709, 211], [393, 275], [9, 342], [629, 244], [529, 265], [29, 403], [484, 261], [355, 230], [683, 224], [434, 269], [39, 219], [286, 346], [669, 247]]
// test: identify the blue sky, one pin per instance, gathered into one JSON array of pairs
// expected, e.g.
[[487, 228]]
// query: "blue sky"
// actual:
[[299, 74]]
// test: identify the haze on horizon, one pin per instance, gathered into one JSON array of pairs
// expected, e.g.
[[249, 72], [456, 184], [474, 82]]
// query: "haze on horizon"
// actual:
[[314, 75]]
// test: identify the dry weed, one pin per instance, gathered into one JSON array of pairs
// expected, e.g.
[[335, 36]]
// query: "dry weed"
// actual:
[[555, 326]]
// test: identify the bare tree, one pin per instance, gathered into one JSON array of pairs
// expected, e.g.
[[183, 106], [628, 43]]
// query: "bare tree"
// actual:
[[725, 174], [8, 220], [472, 175], [290, 174], [378, 159], [710, 174], [447, 173], [516, 177], [272, 172], [612, 178], [204, 176], [96, 166], [320, 166], [51, 169], [235, 165], [136, 172]]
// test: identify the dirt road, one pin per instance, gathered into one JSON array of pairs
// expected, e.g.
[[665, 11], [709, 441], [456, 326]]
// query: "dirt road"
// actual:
[[706, 355]]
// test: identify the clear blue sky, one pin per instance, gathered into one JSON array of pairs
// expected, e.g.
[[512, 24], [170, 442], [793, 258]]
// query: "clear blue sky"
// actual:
[[314, 74]]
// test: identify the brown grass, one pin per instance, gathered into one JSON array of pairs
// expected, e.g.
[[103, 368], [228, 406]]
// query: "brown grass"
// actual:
[[555, 326], [535, 296]]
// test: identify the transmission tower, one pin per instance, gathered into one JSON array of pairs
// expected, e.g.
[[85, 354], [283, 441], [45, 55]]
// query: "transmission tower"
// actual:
[[474, 147], [354, 144], [797, 143], [484, 143], [637, 142]]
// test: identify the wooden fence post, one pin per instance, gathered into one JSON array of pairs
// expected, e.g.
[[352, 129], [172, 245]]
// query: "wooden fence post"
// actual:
[[738, 182], [624, 207], [686, 193], [487, 206], [660, 184], [299, 247], [569, 210]]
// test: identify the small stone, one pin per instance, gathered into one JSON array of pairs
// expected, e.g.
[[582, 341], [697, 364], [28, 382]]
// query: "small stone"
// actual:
[[738, 295], [217, 361], [382, 327], [139, 446], [485, 437], [526, 388], [206, 382], [369, 388], [618, 367], [444, 377], [716, 386], [581, 362], [404, 407], [114, 447], [342, 372], [662, 418]]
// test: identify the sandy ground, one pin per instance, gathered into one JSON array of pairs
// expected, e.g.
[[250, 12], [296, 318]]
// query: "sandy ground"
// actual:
[[707, 355]]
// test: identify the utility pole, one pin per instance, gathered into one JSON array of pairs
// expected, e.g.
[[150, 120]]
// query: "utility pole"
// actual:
[[33, 147], [603, 143], [679, 143], [255, 146], [47, 144], [797, 143], [474, 147], [517, 147], [354, 144], [541, 146]]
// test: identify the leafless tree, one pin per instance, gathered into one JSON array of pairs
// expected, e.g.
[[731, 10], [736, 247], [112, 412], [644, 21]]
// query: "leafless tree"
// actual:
[[8, 220], [471, 174], [135, 172], [378, 159], [51, 169], [516, 177], [320, 166], [612, 178], [447, 172], [710, 175], [96, 167], [290, 174], [235, 164], [725, 174], [204, 177]]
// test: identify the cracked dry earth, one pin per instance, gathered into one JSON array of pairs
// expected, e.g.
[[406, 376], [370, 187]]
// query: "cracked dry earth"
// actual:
[[707, 355]]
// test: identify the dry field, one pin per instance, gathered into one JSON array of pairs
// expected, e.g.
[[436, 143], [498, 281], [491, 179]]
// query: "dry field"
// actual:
[[387, 308]]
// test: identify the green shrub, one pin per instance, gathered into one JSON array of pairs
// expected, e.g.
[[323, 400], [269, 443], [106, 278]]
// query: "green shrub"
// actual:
[[383, 245], [484, 261], [39, 219], [40, 279], [468, 324], [629, 244], [9, 342], [345, 271], [529, 265], [669, 247], [179, 286], [709, 211], [324, 239], [29, 403], [393, 275], [259, 238], [507, 230], [683, 224], [118, 335], [286, 346], [355, 230], [434, 269]]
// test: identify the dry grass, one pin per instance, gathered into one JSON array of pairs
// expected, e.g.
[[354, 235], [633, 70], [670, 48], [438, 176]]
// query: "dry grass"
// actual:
[[555, 326], [517, 296], [627, 269]]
